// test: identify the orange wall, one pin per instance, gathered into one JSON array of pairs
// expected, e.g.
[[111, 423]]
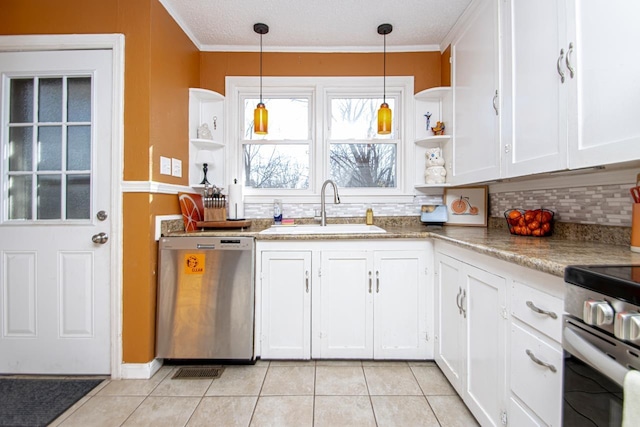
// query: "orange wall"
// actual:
[[446, 67], [215, 66]]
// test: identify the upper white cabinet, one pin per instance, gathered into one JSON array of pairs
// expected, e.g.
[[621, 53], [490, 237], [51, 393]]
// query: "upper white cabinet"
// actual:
[[604, 93], [476, 93], [206, 108], [534, 105]]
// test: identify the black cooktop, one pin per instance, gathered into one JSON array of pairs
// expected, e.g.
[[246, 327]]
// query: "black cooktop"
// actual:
[[617, 281]]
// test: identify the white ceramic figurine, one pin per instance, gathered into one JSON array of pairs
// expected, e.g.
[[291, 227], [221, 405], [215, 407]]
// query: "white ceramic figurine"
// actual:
[[435, 173]]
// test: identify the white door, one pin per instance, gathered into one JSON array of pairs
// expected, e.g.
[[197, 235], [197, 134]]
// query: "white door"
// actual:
[[346, 305], [400, 299], [56, 141], [286, 305]]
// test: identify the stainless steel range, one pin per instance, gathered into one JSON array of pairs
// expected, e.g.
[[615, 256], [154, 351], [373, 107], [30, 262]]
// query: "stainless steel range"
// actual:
[[602, 338]]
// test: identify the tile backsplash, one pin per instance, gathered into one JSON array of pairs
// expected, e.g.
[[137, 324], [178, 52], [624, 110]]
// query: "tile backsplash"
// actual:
[[598, 204]]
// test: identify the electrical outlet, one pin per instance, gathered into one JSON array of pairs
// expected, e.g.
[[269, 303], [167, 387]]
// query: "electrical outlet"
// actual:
[[165, 166], [176, 167]]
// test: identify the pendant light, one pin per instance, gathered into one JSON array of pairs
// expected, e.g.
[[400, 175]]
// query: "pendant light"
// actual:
[[384, 113], [260, 114]]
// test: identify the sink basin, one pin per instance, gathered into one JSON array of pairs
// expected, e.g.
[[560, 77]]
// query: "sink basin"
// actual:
[[327, 229]]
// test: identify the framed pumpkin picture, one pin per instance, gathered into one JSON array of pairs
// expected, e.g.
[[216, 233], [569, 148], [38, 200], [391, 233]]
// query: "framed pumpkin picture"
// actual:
[[466, 206]]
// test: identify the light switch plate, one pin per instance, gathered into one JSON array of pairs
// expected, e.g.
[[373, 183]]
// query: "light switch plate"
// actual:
[[176, 167], [165, 166]]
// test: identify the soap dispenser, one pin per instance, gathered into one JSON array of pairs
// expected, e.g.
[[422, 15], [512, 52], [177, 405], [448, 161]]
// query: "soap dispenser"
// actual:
[[369, 216]]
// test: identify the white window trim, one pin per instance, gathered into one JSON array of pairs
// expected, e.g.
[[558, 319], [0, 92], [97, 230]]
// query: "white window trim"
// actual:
[[401, 86]]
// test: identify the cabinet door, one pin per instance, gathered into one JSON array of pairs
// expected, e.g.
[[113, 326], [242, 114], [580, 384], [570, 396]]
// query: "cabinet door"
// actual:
[[476, 139], [535, 99], [345, 305], [486, 315], [604, 93], [450, 325], [286, 305], [400, 298]]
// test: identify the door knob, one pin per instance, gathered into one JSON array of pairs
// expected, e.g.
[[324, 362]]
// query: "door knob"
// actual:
[[100, 238]]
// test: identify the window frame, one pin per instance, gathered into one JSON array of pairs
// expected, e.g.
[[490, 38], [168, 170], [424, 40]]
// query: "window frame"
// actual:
[[321, 90]]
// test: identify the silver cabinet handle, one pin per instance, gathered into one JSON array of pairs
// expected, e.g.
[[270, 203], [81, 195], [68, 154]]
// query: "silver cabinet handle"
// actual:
[[370, 282], [533, 307], [540, 362], [568, 61], [463, 302], [377, 281], [306, 279], [458, 300], [559, 65], [495, 100]]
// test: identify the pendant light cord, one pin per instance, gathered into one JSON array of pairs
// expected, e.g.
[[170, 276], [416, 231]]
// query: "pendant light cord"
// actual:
[[261, 68], [384, 70]]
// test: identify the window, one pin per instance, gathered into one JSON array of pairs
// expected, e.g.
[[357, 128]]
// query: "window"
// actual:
[[319, 128]]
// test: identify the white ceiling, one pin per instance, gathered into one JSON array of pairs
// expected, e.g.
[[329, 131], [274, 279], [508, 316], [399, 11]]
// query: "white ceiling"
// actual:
[[316, 26]]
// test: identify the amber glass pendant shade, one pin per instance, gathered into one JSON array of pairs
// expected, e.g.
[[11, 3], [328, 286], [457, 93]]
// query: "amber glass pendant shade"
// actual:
[[260, 120], [384, 119]]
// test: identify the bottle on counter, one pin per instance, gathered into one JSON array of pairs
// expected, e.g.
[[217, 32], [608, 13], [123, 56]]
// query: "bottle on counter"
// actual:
[[277, 211], [369, 216]]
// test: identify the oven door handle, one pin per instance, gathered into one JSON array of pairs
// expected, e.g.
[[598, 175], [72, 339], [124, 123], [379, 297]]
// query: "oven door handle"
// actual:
[[594, 357]]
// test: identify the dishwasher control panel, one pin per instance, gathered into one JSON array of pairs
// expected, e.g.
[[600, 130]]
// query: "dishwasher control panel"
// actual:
[[207, 243]]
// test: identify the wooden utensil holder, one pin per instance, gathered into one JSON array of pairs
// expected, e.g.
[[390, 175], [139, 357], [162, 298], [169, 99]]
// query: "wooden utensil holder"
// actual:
[[215, 214]]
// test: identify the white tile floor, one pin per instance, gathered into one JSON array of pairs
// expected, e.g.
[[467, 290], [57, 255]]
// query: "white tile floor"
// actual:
[[280, 393]]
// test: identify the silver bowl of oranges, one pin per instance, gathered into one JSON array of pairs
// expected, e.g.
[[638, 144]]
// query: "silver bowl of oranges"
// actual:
[[536, 223]]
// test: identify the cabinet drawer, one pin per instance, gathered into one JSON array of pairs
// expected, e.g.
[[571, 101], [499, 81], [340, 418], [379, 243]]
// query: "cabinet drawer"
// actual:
[[536, 385], [526, 304]]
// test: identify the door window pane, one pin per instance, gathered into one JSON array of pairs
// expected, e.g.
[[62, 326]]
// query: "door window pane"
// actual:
[[276, 166], [49, 148], [288, 119], [50, 100], [79, 99], [49, 197], [20, 149], [21, 110], [78, 148], [357, 118], [20, 197], [78, 192], [363, 165]]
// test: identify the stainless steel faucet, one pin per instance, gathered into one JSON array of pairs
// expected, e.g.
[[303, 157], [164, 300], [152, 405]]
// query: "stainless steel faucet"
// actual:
[[336, 200]]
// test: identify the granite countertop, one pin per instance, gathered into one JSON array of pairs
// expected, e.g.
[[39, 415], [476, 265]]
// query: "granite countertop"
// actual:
[[547, 254]]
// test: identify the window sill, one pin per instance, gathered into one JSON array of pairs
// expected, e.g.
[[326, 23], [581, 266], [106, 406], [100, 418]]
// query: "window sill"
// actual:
[[347, 198]]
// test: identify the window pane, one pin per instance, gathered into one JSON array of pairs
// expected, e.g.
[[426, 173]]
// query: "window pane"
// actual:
[[363, 165], [49, 148], [20, 149], [21, 110], [276, 166], [20, 197], [288, 119], [78, 192], [357, 118], [50, 100], [79, 99], [49, 197], [78, 148]]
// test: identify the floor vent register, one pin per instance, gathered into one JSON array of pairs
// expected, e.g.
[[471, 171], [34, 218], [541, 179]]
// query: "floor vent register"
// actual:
[[198, 373]]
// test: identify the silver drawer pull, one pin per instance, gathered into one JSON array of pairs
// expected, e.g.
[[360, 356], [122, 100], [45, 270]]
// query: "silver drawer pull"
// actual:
[[540, 362], [559, 65], [370, 282], [541, 311], [306, 279]]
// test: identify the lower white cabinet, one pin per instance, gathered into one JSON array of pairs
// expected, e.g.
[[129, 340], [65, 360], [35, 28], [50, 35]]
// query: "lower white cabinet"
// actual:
[[471, 335], [375, 303], [498, 337]]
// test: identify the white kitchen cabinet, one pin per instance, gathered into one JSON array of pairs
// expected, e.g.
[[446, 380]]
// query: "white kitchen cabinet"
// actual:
[[471, 335], [604, 93], [534, 105], [285, 304], [372, 304], [476, 93], [206, 107], [345, 305]]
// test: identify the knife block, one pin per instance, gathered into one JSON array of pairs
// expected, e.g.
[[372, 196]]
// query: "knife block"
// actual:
[[215, 214]]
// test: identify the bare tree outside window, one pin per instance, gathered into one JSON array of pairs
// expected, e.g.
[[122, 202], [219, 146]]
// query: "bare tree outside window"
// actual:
[[365, 162]]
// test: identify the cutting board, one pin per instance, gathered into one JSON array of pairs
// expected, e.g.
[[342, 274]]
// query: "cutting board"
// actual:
[[224, 224]]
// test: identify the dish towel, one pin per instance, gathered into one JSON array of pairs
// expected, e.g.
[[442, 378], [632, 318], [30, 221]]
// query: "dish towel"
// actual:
[[631, 405]]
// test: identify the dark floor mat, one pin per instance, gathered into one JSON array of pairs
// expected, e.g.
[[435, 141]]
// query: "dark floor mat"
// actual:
[[37, 402]]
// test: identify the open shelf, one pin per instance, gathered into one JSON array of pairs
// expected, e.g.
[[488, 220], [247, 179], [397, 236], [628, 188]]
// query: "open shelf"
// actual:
[[433, 141], [434, 93]]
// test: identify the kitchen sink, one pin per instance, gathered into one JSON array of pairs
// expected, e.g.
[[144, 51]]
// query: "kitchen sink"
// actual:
[[327, 229]]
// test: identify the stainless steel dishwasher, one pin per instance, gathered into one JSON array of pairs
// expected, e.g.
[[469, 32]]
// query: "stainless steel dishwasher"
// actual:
[[205, 298]]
